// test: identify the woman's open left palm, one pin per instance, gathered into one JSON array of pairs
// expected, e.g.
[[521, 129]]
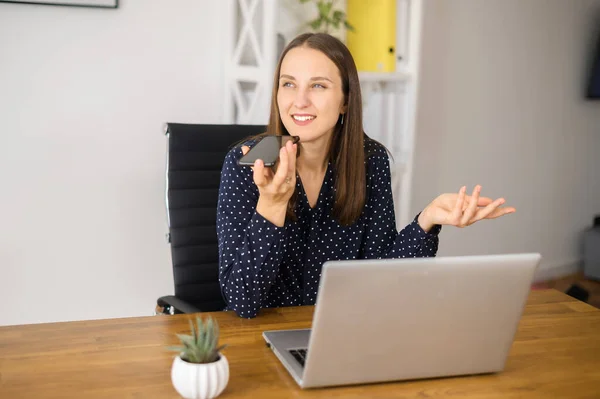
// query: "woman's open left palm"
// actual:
[[463, 210]]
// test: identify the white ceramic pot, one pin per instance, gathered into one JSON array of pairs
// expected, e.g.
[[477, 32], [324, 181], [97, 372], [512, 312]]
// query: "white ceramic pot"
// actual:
[[200, 381]]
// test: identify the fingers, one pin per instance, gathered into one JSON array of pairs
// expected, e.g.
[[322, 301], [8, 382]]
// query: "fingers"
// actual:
[[498, 212], [483, 201], [462, 210], [283, 177], [282, 167], [472, 208], [482, 213], [259, 173], [286, 168], [245, 149], [292, 151], [457, 211], [491, 210], [488, 210]]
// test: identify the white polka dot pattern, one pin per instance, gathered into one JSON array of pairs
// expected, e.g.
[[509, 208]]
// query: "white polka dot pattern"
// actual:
[[262, 265]]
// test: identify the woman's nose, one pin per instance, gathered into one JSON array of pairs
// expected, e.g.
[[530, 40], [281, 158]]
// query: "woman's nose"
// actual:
[[301, 100]]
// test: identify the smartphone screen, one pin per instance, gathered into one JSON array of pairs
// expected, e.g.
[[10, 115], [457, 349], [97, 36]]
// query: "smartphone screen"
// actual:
[[266, 149]]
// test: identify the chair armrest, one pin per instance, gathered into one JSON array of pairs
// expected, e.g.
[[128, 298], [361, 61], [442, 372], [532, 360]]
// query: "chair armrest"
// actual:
[[173, 305]]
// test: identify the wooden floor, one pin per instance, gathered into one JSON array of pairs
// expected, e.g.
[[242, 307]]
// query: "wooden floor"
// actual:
[[565, 283]]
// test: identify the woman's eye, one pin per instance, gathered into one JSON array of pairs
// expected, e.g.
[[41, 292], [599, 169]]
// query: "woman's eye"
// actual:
[[286, 84], [318, 86]]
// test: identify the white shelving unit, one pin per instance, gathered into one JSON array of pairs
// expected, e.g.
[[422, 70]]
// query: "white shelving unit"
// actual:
[[390, 105], [384, 115], [250, 61], [256, 27], [383, 77]]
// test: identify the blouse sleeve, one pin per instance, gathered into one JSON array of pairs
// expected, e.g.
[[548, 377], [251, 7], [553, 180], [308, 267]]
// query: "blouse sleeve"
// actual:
[[250, 247], [381, 237]]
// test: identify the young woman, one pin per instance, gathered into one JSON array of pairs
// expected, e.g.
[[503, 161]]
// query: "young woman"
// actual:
[[330, 196]]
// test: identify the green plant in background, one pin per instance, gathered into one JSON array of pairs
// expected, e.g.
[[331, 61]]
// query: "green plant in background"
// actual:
[[201, 346], [328, 16]]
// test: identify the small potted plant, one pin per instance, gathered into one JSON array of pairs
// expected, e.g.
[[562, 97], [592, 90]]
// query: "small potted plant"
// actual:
[[328, 17], [200, 370]]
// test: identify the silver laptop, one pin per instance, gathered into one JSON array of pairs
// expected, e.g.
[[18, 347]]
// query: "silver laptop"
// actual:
[[397, 319]]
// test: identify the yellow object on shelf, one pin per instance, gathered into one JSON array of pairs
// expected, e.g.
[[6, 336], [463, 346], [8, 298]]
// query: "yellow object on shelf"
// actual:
[[373, 43]]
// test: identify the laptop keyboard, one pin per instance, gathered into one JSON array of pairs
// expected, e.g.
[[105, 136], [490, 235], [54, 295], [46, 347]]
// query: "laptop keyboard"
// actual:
[[299, 354]]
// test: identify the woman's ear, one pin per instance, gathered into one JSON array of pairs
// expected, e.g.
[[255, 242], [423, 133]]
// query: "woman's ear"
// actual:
[[344, 109]]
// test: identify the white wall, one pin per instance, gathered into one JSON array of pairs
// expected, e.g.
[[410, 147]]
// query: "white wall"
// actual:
[[84, 94], [501, 104]]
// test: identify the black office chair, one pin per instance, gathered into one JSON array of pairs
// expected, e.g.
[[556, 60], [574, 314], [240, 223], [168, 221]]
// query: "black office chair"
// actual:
[[195, 157]]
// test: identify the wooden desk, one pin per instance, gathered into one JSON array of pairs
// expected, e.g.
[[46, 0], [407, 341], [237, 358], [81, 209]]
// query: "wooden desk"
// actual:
[[556, 354]]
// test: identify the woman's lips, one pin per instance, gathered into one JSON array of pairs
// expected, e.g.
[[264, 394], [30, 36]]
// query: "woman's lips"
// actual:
[[303, 119]]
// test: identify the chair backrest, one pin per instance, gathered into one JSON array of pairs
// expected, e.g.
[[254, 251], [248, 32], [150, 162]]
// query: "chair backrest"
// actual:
[[194, 161]]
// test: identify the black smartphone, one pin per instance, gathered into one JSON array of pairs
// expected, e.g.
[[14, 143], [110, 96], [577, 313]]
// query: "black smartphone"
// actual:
[[266, 149]]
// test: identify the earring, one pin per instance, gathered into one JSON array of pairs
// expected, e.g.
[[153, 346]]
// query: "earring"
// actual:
[[342, 122]]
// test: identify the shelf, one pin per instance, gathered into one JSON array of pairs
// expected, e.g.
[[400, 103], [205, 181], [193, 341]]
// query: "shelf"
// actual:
[[383, 76]]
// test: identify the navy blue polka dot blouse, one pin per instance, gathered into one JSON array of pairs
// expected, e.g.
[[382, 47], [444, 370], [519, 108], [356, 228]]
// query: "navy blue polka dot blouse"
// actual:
[[263, 265]]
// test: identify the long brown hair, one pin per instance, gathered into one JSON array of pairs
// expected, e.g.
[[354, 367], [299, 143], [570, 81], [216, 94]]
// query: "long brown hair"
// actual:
[[346, 149]]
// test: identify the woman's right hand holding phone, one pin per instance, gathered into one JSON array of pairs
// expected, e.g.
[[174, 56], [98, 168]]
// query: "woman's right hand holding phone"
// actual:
[[275, 188]]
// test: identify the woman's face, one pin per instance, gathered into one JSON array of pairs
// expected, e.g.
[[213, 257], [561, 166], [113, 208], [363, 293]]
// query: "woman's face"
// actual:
[[310, 96]]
